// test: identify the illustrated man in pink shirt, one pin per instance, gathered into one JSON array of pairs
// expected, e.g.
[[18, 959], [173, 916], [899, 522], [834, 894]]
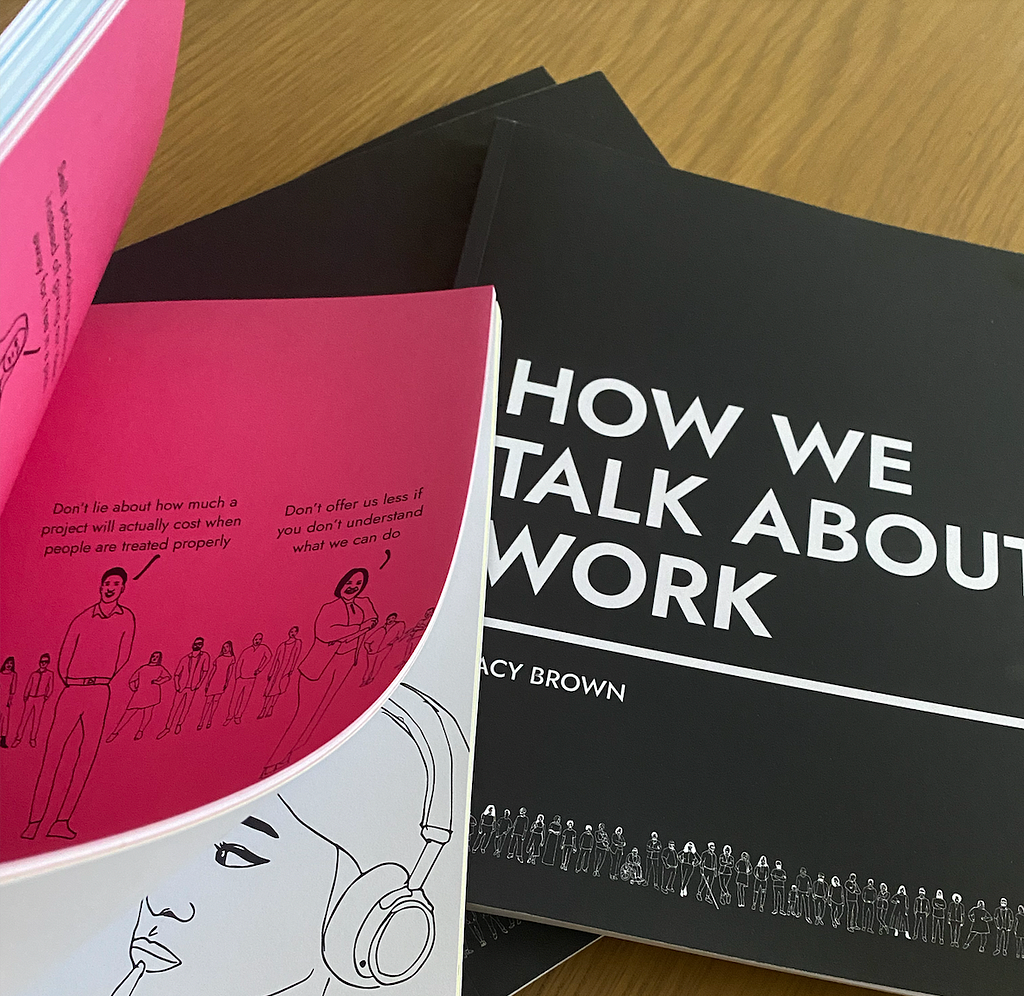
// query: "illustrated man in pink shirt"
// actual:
[[97, 645]]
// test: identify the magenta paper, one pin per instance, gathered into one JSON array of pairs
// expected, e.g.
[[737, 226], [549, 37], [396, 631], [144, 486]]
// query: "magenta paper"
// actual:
[[228, 537], [66, 187]]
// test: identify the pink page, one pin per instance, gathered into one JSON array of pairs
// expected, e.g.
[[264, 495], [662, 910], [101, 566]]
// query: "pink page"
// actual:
[[66, 186], [227, 539]]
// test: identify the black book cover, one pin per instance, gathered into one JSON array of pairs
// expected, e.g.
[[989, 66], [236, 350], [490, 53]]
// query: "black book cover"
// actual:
[[778, 626], [385, 219]]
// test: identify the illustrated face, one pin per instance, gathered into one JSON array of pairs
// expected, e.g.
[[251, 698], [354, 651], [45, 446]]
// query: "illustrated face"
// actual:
[[212, 928], [13, 350], [111, 588], [44, 662], [197, 644], [156, 657], [353, 586], [293, 632], [226, 649], [257, 639]]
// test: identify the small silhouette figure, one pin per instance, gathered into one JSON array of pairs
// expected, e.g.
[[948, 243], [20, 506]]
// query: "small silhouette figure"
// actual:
[[761, 872], [587, 841], [535, 841], [191, 674], [670, 867], [819, 894], [652, 874], [938, 918], [501, 830], [743, 870], [602, 848], [1003, 919], [145, 685], [8, 686], [688, 861], [218, 684], [955, 916], [286, 660], [980, 918], [568, 844], [922, 909], [38, 689], [726, 865], [519, 827], [484, 831]]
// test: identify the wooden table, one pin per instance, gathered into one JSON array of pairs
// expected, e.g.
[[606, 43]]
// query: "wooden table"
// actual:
[[905, 112]]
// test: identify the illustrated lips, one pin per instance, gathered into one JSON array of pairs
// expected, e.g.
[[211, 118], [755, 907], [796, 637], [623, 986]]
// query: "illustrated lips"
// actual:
[[154, 955]]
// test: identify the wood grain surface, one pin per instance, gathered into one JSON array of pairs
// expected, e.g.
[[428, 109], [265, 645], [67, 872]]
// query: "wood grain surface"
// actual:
[[906, 112]]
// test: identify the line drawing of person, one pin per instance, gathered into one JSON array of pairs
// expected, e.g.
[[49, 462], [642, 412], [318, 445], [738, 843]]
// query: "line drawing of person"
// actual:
[[922, 908], [97, 645], [1003, 919], [145, 684], [852, 903], [519, 827], [349, 927], [670, 867], [286, 660], [819, 894], [602, 848], [8, 686], [484, 831], [383, 645], [618, 850], [652, 870], [251, 663], [587, 842], [708, 868], [882, 904], [955, 916], [803, 888], [867, 905], [218, 684], [726, 864], [568, 844], [1018, 933], [631, 870], [760, 884], [938, 918], [502, 828], [743, 870], [778, 877], [412, 638], [979, 918], [473, 926], [688, 859], [793, 902], [338, 633], [190, 675], [550, 852], [535, 841], [38, 690], [899, 918], [836, 901]]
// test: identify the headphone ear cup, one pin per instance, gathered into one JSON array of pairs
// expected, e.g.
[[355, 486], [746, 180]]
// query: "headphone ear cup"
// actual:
[[381, 931]]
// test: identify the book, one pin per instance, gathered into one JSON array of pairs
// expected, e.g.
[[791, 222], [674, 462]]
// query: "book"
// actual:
[[350, 875], [86, 87], [387, 219], [751, 679], [259, 499]]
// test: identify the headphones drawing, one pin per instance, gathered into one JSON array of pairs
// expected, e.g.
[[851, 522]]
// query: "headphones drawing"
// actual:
[[381, 930]]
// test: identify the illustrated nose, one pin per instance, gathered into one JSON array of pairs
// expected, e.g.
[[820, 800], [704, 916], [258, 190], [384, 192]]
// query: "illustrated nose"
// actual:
[[178, 909]]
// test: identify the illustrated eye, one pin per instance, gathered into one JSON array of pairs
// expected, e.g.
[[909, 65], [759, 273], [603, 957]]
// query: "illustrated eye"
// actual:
[[237, 856]]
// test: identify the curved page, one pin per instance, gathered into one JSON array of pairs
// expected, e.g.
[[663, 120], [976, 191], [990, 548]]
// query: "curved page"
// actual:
[[72, 158], [226, 542]]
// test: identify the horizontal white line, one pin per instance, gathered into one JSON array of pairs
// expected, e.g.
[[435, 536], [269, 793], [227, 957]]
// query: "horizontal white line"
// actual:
[[753, 674]]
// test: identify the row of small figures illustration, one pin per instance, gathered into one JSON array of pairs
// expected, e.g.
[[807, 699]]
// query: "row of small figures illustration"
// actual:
[[715, 875]]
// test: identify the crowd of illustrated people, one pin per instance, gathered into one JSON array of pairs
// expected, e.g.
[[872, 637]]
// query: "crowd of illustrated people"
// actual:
[[475, 924], [717, 878], [348, 639]]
